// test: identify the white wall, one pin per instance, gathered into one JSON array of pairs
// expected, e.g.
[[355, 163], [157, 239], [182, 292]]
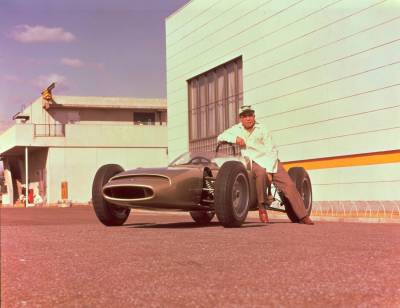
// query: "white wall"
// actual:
[[77, 166], [324, 76], [76, 156], [90, 135], [111, 110]]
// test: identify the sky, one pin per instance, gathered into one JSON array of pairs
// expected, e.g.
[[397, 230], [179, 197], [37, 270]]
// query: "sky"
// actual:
[[88, 47]]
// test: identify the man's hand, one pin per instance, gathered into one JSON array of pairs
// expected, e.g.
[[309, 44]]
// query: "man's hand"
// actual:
[[240, 142]]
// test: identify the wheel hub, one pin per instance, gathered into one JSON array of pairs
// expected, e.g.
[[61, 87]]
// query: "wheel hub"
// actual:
[[239, 194]]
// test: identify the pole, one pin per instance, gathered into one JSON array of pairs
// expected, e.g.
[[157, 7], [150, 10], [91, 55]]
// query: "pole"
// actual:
[[26, 178]]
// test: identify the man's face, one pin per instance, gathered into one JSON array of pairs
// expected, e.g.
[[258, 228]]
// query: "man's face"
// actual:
[[248, 120]]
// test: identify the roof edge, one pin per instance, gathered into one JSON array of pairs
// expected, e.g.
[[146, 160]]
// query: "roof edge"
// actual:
[[178, 10]]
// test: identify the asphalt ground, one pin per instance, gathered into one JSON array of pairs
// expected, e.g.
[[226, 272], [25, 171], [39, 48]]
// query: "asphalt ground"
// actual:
[[63, 257]]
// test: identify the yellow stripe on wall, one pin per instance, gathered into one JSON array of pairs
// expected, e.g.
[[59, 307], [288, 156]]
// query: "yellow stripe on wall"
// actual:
[[347, 161]]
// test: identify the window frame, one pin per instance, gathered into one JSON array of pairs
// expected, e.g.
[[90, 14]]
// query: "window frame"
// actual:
[[207, 141]]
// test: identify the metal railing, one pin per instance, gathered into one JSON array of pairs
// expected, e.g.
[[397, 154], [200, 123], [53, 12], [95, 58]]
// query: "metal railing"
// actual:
[[149, 123], [49, 130]]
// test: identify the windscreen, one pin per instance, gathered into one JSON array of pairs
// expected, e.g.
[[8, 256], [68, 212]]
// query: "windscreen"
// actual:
[[203, 158]]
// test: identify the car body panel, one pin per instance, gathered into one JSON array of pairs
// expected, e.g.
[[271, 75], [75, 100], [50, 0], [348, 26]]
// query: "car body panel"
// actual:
[[180, 186], [171, 187]]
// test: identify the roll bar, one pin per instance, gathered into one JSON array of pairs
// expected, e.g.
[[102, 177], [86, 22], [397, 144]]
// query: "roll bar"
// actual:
[[227, 143]]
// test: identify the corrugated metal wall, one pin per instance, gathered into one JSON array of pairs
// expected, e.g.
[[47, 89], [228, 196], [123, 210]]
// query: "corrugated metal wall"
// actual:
[[324, 76]]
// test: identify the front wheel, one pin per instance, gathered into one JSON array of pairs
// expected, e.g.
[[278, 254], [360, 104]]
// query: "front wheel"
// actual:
[[232, 194], [108, 214], [202, 217]]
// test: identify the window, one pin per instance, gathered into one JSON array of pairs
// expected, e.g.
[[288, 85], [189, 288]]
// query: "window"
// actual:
[[214, 99], [144, 118]]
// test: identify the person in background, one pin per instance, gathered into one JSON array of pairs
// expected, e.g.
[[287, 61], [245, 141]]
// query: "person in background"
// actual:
[[255, 141]]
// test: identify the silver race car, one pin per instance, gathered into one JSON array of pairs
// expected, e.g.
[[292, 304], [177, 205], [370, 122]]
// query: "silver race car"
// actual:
[[201, 183]]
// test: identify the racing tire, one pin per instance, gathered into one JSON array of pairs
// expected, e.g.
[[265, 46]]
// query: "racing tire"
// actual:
[[108, 214], [232, 194], [303, 184], [202, 217]]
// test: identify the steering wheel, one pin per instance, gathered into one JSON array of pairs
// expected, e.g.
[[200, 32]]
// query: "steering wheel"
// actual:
[[199, 159]]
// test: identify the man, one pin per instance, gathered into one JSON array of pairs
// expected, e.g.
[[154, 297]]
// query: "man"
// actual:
[[255, 142]]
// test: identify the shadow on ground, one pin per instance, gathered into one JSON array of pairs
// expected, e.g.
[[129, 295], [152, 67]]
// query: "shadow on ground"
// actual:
[[193, 225]]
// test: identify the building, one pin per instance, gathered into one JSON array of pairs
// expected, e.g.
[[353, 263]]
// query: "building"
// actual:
[[57, 145], [324, 76]]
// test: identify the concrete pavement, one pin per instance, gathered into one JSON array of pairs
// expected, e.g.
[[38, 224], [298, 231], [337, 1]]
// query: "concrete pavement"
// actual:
[[64, 257]]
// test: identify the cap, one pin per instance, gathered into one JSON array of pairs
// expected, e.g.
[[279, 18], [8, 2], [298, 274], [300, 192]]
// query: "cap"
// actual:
[[245, 109]]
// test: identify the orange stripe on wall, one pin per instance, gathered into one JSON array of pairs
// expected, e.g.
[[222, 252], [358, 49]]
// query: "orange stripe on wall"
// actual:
[[374, 158]]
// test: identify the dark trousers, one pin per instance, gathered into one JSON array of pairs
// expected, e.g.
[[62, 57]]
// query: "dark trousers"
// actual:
[[284, 183]]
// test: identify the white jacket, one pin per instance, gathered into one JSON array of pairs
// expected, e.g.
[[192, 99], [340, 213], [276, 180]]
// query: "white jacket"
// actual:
[[259, 145]]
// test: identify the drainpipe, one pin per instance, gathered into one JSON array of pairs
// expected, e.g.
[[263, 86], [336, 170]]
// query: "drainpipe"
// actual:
[[26, 178]]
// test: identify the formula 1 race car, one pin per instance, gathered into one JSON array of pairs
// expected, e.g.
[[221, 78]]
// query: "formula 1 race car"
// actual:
[[201, 183]]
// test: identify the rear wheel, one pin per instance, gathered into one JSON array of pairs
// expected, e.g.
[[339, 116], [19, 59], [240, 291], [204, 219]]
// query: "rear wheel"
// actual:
[[202, 217], [232, 194], [108, 214], [303, 184]]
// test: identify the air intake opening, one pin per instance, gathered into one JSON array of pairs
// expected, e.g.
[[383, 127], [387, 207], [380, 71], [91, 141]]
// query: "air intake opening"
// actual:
[[128, 192]]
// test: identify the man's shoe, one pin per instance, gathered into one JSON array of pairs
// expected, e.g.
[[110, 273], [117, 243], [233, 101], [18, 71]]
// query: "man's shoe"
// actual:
[[306, 221], [263, 216]]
